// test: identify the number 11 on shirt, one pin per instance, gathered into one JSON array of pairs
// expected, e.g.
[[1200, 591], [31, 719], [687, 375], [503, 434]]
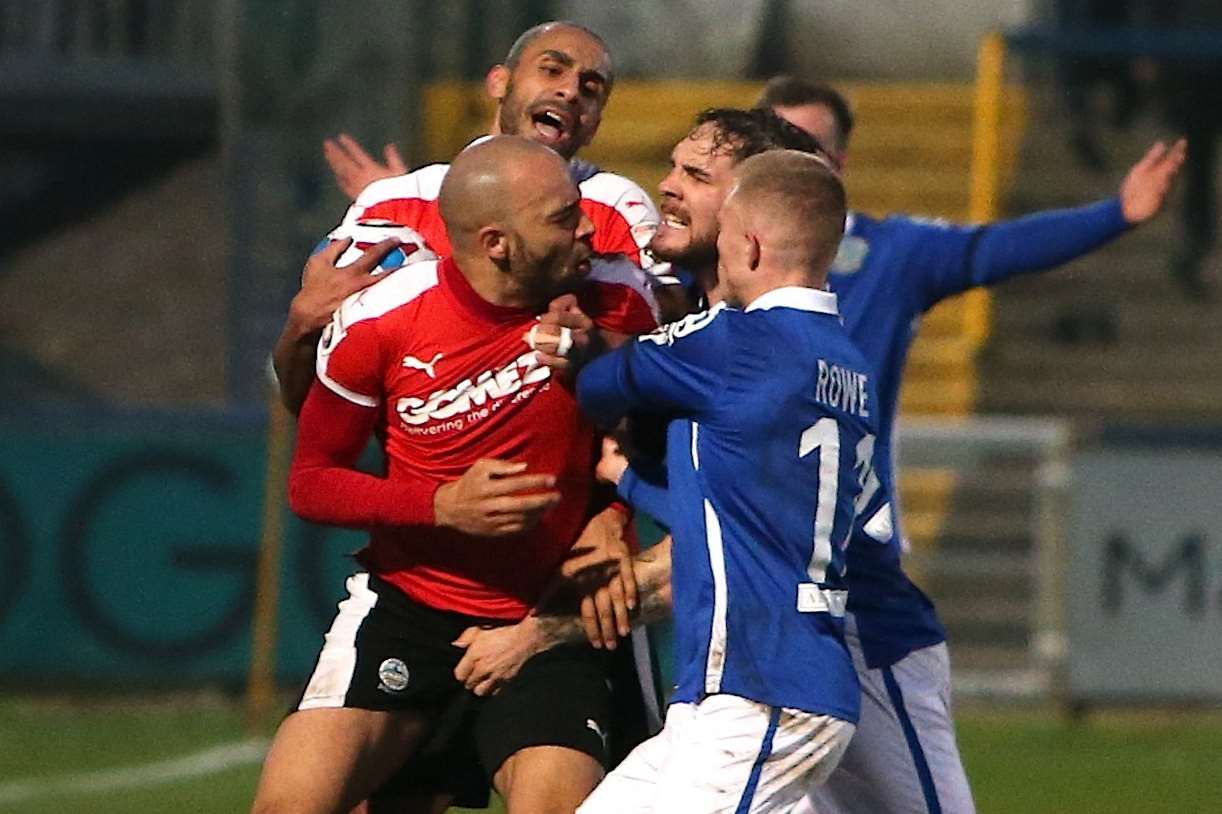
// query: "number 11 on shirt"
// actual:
[[823, 437]]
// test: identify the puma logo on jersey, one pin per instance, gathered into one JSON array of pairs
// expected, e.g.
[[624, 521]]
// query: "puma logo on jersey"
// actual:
[[472, 393], [427, 367]]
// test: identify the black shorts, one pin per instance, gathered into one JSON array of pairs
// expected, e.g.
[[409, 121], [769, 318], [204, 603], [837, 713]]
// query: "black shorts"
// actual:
[[387, 652]]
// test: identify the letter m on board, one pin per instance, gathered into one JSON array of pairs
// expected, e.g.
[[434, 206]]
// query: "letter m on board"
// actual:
[[1123, 562]]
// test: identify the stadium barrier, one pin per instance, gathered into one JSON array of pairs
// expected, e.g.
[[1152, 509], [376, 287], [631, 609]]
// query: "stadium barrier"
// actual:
[[128, 546], [996, 572], [129, 549], [1144, 563]]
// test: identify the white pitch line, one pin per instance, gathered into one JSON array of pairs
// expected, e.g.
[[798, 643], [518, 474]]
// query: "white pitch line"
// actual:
[[210, 761]]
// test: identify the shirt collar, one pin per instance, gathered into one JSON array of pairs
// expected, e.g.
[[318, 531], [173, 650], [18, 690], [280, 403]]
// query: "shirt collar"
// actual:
[[455, 283], [579, 170], [799, 297]]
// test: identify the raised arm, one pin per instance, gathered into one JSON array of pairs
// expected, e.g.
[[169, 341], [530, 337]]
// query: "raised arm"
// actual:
[[354, 168], [950, 259]]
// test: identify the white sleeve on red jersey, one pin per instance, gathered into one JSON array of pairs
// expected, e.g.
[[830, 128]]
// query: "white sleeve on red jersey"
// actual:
[[618, 296], [423, 184], [350, 359], [624, 217]]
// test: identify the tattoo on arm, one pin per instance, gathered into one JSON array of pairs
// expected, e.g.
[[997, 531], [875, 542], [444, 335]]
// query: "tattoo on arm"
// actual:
[[652, 569]]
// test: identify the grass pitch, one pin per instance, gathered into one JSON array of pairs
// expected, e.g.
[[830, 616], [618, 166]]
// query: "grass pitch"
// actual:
[[61, 755]]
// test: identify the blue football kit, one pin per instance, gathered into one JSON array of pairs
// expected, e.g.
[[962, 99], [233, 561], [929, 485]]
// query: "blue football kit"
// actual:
[[769, 451], [887, 274]]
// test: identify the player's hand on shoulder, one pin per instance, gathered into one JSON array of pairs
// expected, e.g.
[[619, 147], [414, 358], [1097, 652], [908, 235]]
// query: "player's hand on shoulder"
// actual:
[[495, 655], [325, 284], [1144, 191], [495, 498], [564, 337], [599, 569], [355, 169]]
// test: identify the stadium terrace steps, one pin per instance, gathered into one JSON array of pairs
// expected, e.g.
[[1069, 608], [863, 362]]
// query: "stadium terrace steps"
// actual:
[[1110, 338], [139, 323]]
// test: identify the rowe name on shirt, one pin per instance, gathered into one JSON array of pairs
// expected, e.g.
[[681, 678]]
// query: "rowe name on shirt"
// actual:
[[842, 389]]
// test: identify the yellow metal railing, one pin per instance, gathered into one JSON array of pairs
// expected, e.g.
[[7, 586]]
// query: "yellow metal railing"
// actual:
[[984, 203], [927, 492]]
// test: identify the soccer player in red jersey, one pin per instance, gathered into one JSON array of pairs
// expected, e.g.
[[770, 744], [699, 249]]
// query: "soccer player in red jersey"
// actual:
[[458, 536], [552, 88]]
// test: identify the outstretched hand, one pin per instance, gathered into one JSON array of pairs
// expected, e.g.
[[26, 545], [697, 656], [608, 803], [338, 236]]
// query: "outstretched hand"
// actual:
[[1143, 193], [354, 168]]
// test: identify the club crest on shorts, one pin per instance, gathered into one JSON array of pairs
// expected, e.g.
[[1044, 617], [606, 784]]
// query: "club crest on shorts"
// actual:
[[393, 676]]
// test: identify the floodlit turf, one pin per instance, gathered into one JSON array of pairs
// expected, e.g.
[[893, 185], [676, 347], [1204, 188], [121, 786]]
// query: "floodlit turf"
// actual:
[[1019, 761]]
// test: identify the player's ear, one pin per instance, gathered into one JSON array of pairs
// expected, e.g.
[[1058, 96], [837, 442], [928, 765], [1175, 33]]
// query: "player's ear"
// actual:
[[496, 81], [753, 252], [494, 242]]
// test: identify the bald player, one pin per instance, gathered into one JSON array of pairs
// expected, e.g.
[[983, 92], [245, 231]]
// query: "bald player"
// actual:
[[489, 484], [772, 440]]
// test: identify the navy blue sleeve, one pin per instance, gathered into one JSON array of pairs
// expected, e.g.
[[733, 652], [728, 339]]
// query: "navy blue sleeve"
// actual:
[[945, 260], [646, 490], [676, 370]]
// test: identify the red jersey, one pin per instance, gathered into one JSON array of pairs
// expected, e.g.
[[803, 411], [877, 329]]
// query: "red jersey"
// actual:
[[624, 217], [454, 381]]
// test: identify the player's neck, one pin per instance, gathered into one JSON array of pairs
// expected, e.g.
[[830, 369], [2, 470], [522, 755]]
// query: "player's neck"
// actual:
[[706, 277], [492, 284], [780, 278]]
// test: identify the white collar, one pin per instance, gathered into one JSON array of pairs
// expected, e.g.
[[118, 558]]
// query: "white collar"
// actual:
[[850, 220], [799, 297], [479, 140]]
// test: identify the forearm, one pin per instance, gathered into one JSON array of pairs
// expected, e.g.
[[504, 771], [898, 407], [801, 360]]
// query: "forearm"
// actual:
[[293, 360], [1043, 240], [600, 392], [340, 496], [556, 626], [326, 487], [297, 349], [650, 496]]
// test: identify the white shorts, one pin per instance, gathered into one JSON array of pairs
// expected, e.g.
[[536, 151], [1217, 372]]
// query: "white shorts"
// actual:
[[904, 758], [725, 755]]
